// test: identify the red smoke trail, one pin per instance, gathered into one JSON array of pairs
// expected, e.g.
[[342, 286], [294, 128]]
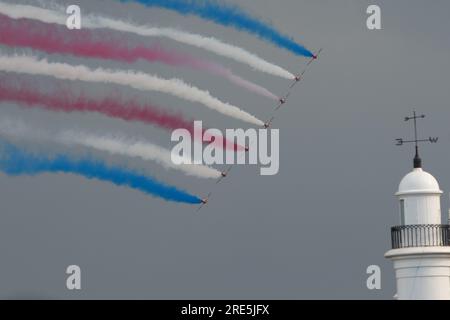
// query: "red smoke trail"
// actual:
[[64, 100], [101, 44]]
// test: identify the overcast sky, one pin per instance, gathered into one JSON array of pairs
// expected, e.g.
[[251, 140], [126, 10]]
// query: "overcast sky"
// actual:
[[308, 232]]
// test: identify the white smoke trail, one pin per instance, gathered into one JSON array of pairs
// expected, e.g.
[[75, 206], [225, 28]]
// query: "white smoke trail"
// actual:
[[137, 80], [18, 11], [207, 43], [113, 144], [137, 149], [250, 86]]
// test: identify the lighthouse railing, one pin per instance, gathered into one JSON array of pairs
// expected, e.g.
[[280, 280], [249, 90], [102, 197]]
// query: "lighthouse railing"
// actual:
[[420, 235]]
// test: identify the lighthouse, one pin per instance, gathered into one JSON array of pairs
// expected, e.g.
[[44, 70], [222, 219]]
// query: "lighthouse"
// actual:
[[420, 242]]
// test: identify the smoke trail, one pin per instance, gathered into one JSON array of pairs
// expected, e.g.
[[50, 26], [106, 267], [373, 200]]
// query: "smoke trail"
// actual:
[[207, 43], [231, 16], [64, 100], [114, 144], [15, 161], [250, 86], [137, 80], [53, 39], [139, 149]]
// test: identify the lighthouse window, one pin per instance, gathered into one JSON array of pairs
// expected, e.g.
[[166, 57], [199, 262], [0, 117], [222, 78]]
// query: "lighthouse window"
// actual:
[[402, 212]]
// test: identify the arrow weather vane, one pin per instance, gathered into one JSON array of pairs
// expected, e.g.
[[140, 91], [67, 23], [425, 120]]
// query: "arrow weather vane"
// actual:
[[416, 141]]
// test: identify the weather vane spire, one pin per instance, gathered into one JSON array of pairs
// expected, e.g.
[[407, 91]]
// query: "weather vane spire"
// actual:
[[416, 141]]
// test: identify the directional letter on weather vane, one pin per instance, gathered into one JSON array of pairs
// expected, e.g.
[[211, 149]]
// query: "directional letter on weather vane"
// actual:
[[400, 141]]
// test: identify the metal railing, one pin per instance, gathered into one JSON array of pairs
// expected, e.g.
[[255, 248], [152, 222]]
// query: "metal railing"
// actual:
[[421, 235]]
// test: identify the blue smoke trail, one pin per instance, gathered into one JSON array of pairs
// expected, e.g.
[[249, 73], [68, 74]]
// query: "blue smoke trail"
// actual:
[[228, 15], [14, 161]]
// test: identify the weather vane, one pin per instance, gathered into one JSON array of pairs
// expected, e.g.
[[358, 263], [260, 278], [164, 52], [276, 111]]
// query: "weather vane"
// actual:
[[416, 141]]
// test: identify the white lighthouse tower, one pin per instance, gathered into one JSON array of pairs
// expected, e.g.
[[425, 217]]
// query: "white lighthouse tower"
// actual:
[[420, 243]]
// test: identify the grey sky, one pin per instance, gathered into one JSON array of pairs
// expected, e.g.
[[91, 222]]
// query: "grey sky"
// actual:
[[308, 232]]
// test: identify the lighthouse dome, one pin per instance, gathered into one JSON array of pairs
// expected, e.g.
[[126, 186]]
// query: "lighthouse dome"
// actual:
[[418, 181]]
